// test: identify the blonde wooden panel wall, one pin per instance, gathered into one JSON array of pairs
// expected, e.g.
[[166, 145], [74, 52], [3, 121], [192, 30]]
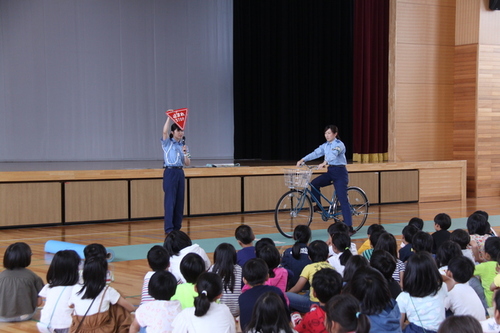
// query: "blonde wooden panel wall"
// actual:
[[215, 195], [146, 198], [369, 182], [399, 186], [262, 192], [421, 68], [467, 22], [441, 185], [488, 121], [30, 203], [426, 22], [96, 200], [465, 99]]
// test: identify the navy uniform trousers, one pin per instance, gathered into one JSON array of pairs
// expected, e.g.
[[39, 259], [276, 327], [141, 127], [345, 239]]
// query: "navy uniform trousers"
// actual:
[[173, 186], [340, 178]]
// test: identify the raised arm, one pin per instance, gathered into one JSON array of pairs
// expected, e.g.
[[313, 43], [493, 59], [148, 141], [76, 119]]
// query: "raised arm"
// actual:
[[166, 128]]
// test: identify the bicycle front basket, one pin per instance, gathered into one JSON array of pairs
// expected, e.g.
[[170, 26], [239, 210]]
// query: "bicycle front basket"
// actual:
[[297, 178]]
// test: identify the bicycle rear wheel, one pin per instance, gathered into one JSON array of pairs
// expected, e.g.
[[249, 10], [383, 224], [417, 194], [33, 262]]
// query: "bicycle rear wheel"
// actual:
[[293, 208], [359, 206]]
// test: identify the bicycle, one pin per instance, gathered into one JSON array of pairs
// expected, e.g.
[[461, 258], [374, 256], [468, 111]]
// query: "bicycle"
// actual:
[[296, 206]]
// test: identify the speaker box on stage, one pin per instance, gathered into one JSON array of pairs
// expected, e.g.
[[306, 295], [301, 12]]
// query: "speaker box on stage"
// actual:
[[495, 4]]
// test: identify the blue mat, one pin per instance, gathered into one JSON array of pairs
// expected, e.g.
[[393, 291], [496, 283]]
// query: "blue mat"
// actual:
[[136, 252]]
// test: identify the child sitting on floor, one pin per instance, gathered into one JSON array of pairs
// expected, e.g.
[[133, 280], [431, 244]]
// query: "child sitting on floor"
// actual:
[[245, 237], [278, 276], [269, 315], [492, 325], [318, 252], [406, 249], [371, 229], [417, 222], [341, 251], [442, 222], [296, 258], [158, 260], [225, 266], [207, 315], [487, 270], [326, 284], [462, 299], [19, 286], [462, 238], [371, 289], [255, 274], [157, 315], [61, 277], [178, 244], [343, 314], [192, 265]]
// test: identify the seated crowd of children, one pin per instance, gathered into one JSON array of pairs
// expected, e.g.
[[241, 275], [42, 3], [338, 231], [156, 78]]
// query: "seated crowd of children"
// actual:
[[440, 282]]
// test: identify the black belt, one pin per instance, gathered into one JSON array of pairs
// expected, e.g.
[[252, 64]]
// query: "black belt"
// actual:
[[336, 166], [173, 167]]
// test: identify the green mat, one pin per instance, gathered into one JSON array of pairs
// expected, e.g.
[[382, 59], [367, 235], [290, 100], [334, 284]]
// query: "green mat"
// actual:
[[135, 252]]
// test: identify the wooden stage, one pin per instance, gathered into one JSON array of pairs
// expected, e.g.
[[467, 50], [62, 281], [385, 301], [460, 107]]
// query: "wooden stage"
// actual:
[[79, 192]]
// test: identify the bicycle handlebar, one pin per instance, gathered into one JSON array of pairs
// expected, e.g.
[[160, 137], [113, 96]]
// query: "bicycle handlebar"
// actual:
[[304, 165]]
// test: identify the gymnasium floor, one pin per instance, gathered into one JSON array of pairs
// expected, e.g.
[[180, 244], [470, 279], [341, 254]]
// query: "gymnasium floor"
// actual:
[[131, 240]]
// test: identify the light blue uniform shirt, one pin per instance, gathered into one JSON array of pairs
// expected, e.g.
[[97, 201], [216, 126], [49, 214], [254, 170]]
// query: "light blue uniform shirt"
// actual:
[[334, 153], [173, 156]]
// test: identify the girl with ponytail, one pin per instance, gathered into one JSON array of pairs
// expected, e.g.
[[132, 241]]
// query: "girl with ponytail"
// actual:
[[341, 246], [206, 316], [296, 258], [343, 315]]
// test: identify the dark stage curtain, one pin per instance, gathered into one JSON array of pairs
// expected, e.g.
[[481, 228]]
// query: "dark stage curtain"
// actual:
[[370, 89], [292, 76]]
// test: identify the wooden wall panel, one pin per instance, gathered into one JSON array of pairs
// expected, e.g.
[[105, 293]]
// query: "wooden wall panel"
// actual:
[[488, 121], [424, 141], [262, 192], [421, 79], [433, 3], [441, 185], [146, 198], [215, 195], [399, 186], [421, 63], [465, 105], [30, 203], [96, 200], [417, 23], [467, 22], [369, 182], [419, 102]]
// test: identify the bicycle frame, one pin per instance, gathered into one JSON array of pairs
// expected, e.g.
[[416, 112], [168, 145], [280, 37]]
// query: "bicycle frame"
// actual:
[[326, 214]]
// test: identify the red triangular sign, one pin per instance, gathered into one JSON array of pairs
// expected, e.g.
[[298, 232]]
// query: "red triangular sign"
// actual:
[[179, 116]]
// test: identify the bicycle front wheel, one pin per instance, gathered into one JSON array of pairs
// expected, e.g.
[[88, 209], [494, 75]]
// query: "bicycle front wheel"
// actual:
[[359, 206], [293, 208]]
